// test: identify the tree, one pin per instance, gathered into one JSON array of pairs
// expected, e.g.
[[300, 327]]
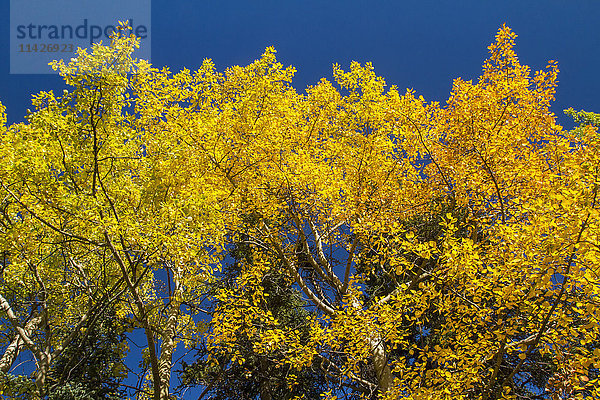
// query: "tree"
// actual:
[[441, 251], [513, 295], [91, 210]]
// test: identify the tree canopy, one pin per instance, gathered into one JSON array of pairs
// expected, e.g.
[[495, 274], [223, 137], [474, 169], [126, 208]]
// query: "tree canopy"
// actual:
[[350, 241]]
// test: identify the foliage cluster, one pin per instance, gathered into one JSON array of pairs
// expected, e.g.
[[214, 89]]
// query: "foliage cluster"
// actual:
[[349, 241]]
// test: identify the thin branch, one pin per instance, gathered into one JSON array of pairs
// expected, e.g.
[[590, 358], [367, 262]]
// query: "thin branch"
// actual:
[[322, 259], [413, 285], [48, 224], [349, 265], [495, 181]]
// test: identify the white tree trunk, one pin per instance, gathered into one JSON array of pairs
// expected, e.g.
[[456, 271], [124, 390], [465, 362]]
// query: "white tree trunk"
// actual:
[[14, 348], [385, 379], [168, 345], [167, 348]]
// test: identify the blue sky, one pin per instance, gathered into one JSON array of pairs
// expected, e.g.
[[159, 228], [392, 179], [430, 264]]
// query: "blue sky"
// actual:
[[417, 44]]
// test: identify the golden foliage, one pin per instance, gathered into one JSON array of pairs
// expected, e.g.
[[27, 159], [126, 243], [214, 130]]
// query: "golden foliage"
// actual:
[[480, 216]]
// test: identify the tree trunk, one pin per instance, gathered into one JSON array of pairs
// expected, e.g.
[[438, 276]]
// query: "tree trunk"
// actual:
[[167, 348], [41, 373], [385, 378], [265, 387], [14, 348]]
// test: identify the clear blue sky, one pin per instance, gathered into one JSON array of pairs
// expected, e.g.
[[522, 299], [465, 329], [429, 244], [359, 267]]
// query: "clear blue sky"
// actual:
[[417, 44]]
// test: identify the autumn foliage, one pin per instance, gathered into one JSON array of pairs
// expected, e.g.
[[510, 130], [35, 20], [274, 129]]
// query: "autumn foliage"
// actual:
[[440, 251]]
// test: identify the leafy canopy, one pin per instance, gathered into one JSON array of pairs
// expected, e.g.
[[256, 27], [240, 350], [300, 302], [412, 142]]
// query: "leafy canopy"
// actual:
[[438, 250]]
